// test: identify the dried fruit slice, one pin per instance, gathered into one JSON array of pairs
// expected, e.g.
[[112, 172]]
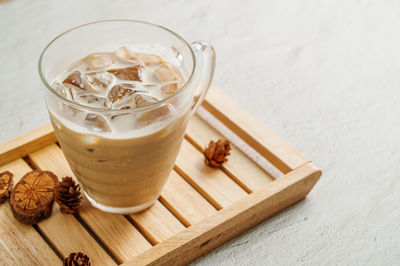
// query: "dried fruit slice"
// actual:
[[128, 73], [6, 182], [32, 197]]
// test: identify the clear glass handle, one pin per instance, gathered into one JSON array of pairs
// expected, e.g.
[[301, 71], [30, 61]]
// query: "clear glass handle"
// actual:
[[205, 58]]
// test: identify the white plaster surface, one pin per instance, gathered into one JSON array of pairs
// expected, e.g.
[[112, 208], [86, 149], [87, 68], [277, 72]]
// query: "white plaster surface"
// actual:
[[325, 75]]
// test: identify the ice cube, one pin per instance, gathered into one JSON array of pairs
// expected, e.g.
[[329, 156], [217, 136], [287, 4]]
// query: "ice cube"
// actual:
[[125, 53], [143, 100], [59, 88], [149, 59], [69, 110], [94, 101], [99, 80], [72, 94], [121, 93], [100, 61], [128, 73], [168, 74], [154, 115], [157, 114], [97, 123], [170, 88], [75, 79]]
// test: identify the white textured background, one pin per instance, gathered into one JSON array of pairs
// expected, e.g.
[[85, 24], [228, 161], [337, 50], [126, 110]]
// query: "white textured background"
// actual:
[[325, 75]]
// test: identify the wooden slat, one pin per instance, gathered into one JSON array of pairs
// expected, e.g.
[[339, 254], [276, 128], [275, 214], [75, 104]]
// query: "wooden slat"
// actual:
[[255, 133], [21, 244], [115, 231], [239, 166], [127, 240], [18, 167], [184, 201], [26, 143], [215, 185], [231, 221], [157, 223], [67, 235]]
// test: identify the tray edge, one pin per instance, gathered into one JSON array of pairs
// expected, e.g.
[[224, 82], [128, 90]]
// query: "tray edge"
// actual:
[[228, 223]]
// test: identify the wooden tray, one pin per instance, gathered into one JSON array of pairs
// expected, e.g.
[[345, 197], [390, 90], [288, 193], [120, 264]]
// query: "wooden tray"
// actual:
[[199, 209]]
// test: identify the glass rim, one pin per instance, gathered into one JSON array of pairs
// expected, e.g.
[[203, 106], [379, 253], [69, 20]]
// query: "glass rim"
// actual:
[[117, 111]]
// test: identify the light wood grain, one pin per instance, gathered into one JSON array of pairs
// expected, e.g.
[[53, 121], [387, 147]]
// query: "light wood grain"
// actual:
[[26, 143], [184, 201], [21, 244], [127, 240], [68, 235], [240, 167], [212, 183], [231, 221], [255, 133], [64, 231], [189, 196], [115, 231], [157, 223], [18, 168]]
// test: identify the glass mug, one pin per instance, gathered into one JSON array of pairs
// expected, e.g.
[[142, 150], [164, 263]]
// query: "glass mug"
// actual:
[[125, 171]]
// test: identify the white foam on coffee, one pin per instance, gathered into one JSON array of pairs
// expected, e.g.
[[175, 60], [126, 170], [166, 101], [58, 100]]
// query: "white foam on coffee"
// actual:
[[90, 135]]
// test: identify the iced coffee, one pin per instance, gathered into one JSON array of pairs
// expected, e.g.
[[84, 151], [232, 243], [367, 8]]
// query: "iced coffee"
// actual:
[[122, 157]]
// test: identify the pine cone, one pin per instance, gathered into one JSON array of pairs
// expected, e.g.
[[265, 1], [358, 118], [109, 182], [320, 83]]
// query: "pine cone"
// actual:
[[77, 259], [216, 152], [68, 195]]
